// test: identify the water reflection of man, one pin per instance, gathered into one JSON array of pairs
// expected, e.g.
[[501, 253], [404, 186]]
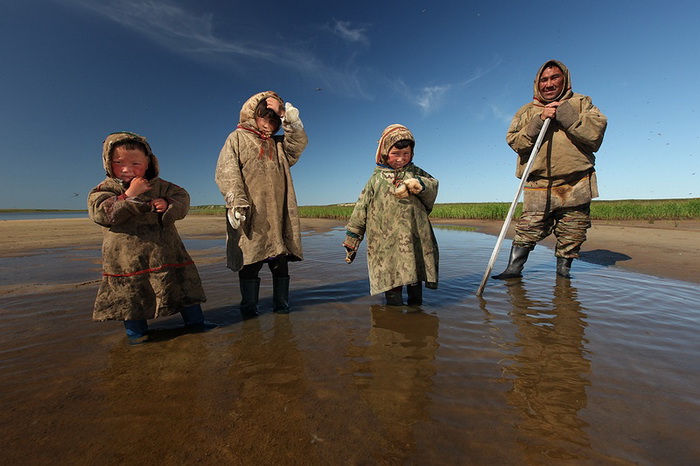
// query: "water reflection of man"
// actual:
[[396, 378], [550, 369]]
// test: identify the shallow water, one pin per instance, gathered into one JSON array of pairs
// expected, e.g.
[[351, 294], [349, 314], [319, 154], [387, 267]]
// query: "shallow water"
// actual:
[[601, 369], [42, 214]]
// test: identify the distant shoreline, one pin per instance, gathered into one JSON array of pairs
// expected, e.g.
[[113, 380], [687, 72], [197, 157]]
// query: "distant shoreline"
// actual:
[[631, 209], [662, 248]]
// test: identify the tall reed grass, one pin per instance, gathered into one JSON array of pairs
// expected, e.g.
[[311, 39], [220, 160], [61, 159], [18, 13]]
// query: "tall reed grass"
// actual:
[[662, 209]]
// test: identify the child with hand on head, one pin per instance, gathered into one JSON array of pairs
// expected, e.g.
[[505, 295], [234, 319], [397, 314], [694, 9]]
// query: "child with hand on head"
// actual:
[[147, 273], [392, 212], [253, 174]]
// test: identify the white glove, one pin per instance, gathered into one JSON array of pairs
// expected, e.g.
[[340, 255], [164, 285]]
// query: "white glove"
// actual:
[[236, 216], [413, 185], [291, 115], [401, 191]]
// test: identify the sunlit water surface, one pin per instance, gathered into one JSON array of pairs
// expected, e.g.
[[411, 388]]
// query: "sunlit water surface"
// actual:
[[600, 369]]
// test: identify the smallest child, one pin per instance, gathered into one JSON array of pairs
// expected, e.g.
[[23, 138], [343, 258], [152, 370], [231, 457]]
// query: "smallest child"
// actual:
[[392, 212], [146, 271]]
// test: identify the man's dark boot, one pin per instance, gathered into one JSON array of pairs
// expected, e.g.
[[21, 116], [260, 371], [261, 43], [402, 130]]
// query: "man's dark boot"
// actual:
[[564, 266], [393, 297], [280, 295], [250, 291], [516, 262], [415, 294]]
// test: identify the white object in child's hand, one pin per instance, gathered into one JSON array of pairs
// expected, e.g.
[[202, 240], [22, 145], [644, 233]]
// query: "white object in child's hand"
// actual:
[[291, 115], [235, 218], [401, 191], [413, 185]]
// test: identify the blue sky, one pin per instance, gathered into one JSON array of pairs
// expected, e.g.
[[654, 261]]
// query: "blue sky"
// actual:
[[454, 72]]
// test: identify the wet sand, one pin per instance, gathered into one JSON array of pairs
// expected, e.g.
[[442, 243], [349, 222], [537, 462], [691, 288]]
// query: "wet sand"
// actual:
[[663, 248], [595, 370]]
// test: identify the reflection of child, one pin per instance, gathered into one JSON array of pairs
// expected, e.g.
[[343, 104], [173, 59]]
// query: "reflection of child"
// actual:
[[392, 212], [253, 173], [147, 272]]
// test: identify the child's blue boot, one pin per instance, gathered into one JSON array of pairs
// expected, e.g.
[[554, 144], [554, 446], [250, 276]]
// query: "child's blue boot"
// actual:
[[194, 319], [136, 331]]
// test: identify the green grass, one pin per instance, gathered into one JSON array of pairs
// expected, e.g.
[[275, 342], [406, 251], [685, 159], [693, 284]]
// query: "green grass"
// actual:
[[650, 210]]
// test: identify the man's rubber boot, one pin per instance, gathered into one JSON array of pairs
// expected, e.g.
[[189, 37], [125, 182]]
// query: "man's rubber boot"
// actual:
[[250, 291], [393, 297], [516, 262], [415, 294], [280, 295], [564, 266]]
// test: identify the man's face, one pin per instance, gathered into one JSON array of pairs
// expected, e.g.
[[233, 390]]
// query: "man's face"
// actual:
[[551, 82]]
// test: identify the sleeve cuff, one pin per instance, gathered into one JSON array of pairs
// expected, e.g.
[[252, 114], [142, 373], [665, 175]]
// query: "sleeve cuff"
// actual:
[[534, 127], [566, 115]]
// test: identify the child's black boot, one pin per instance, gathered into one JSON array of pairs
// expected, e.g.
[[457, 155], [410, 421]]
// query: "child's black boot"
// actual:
[[250, 291], [393, 297], [280, 295], [415, 294]]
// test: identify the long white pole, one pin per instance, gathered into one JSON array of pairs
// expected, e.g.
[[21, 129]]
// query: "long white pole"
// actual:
[[504, 229]]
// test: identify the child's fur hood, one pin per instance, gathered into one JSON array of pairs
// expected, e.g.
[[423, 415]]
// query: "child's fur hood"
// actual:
[[122, 136], [390, 136], [247, 116]]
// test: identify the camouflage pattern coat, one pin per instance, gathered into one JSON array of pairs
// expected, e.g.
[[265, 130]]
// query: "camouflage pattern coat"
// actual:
[[146, 271], [254, 170], [401, 245], [563, 174]]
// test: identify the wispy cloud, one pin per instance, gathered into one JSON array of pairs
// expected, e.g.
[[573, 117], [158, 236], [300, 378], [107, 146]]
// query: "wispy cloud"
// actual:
[[184, 32], [427, 98], [430, 98], [500, 114], [346, 31]]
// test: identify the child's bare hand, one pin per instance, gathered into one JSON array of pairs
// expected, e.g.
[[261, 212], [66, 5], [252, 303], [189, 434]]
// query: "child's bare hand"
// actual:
[[159, 205], [276, 106], [137, 186]]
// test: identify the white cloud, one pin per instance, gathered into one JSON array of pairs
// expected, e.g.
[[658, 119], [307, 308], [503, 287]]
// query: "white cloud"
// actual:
[[350, 34], [430, 98], [181, 31]]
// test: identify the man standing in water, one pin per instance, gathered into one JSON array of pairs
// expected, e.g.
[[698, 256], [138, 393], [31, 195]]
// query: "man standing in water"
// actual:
[[562, 181]]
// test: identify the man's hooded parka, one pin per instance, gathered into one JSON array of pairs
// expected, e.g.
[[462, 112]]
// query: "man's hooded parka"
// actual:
[[401, 245], [146, 271], [253, 172], [563, 174]]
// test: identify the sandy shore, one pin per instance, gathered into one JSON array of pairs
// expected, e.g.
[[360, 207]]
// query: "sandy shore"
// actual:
[[663, 248]]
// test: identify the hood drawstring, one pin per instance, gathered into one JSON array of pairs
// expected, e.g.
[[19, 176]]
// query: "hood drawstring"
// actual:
[[263, 136]]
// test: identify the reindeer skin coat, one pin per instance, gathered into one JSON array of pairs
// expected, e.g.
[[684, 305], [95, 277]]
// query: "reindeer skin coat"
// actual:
[[254, 170], [147, 272]]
